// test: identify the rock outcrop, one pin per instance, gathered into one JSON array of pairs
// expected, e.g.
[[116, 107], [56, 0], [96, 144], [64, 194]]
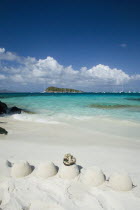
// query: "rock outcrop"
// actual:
[[3, 131], [4, 109], [15, 110]]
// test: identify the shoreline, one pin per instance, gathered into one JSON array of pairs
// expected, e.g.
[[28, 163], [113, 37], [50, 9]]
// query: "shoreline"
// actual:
[[31, 138], [99, 127]]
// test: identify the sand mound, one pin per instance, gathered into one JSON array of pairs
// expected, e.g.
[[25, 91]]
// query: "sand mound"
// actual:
[[120, 182], [93, 176], [21, 169], [46, 170], [69, 172]]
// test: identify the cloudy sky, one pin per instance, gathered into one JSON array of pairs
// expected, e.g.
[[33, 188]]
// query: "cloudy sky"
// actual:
[[88, 45]]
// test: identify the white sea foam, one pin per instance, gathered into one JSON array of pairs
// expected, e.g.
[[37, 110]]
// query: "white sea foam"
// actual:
[[97, 124], [34, 118], [54, 119]]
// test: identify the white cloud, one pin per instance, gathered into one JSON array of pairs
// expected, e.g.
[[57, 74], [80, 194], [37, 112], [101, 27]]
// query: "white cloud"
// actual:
[[10, 56], [37, 73], [2, 50], [17, 78], [2, 77], [106, 74], [135, 77]]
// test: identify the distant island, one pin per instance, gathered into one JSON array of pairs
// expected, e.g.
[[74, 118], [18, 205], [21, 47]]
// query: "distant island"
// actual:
[[61, 90]]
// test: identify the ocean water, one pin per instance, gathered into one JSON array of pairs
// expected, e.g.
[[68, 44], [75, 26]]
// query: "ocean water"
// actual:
[[62, 107]]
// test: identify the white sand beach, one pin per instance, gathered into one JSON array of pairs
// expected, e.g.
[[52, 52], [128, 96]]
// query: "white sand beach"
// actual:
[[37, 143], [70, 105]]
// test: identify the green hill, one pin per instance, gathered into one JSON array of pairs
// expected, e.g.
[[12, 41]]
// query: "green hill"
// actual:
[[61, 90]]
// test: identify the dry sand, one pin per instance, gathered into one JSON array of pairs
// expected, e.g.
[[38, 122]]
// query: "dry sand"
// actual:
[[93, 143]]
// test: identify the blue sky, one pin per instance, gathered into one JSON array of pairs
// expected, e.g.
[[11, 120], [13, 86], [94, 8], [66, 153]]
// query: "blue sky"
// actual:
[[78, 33]]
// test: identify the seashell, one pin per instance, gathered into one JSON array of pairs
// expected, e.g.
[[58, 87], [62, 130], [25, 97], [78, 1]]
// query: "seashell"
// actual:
[[93, 176], [21, 169], [46, 170], [69, 160], [69, 172], [120, 182]]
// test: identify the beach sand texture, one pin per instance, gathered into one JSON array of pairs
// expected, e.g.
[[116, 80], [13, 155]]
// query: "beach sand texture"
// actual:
[[39, 142]]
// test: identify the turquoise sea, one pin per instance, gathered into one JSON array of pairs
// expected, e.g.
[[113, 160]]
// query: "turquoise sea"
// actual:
[[65, 106]]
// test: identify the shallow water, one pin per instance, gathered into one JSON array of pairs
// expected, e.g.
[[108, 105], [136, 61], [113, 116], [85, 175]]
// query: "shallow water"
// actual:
[[57, 107]]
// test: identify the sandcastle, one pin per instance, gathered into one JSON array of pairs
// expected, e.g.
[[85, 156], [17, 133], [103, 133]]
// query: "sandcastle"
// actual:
[[46, 170], [120, 182], [93, 176], [69, 169], [21, 169]]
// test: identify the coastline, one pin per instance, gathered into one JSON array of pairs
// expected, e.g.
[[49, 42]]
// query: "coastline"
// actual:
[[99, 130]]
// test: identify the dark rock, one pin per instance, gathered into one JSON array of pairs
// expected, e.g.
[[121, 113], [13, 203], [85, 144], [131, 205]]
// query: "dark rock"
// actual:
[[3, 131], [3, 108], [14, 110]]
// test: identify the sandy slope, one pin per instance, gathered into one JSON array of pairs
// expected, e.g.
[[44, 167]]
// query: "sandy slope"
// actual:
[[37, 143]]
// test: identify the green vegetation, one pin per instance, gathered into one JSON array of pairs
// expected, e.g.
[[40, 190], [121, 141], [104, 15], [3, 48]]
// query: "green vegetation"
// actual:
[[61, 90]]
